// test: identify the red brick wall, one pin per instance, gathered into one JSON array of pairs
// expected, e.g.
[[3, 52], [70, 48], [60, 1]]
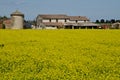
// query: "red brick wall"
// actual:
[[0, 24]]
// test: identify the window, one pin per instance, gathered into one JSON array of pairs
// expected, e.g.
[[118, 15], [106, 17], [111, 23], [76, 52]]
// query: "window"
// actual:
[[76, 21], [56, 20], [65, 20], [49, 20]]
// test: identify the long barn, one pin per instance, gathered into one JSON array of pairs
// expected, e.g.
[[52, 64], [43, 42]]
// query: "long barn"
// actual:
[[57, 21]]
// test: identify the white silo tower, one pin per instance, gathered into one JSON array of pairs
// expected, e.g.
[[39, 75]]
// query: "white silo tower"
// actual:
[[17, 20]]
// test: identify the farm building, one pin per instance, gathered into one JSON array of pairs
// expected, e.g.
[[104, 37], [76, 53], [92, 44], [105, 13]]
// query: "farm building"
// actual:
[[56, 21], [15, 22], [116, 25]]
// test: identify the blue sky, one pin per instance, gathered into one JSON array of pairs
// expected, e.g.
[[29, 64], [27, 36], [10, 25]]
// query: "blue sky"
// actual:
[[93, 9]]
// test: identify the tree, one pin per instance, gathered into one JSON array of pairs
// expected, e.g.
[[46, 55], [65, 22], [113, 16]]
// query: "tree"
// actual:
[[3, 17], [108, 21], [117, 20], [102, 21], [97, 21], [113, 21]]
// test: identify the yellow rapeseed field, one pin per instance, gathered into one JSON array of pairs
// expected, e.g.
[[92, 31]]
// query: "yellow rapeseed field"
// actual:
[[59, 54]]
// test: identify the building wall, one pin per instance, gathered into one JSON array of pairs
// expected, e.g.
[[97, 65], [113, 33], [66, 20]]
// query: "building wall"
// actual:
[[39, 20], [53, 20], [0, 26], [51, 27], [17, 22], [61, 20], [8, 26], [72, 21], [77, 21], [45, 20], [67, 20], [81, 21]]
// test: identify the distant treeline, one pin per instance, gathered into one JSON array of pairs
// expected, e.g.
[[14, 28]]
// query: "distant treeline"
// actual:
[[107, 21], [3, 17]]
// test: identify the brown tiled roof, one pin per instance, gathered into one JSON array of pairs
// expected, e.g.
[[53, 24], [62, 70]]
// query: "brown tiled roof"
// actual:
[[52, 16], [52, 24], [63, 16], [8, 21], [74, 18]]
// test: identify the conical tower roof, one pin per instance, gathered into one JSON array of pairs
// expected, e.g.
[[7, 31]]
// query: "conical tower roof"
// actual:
[[17, 13]]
